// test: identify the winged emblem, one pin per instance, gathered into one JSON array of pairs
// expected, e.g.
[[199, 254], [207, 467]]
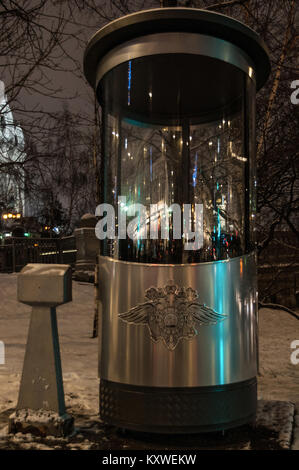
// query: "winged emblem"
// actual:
[[171, 314]]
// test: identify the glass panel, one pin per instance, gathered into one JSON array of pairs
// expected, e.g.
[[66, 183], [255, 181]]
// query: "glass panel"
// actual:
[[184, 159]]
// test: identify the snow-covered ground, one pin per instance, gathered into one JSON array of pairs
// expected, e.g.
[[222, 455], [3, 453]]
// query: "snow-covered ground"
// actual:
[[79, 352], [279, 378]]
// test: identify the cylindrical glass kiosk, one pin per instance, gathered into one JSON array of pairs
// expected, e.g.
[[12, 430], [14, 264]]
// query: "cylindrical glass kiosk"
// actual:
[[177, 268]]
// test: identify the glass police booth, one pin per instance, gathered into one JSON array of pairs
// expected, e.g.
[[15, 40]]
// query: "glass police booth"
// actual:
[[177, 267]]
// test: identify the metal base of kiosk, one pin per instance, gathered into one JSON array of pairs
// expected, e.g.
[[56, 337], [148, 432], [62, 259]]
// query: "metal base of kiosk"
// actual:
[[178, 410]]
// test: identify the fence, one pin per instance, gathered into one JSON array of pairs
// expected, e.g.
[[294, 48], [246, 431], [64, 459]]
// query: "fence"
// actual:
[[15, 253], [278, 271]]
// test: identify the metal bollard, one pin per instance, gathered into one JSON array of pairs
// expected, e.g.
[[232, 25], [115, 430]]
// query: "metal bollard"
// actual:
[[41, 408]]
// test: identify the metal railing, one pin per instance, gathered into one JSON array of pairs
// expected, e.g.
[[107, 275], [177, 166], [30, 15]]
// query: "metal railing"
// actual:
[[15, 252]]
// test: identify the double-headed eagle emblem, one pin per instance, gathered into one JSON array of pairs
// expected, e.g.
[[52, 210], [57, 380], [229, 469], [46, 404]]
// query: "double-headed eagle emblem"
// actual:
[[171, 314]]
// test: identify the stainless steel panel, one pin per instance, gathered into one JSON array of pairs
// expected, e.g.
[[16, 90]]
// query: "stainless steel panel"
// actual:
[[176, 43], [220, 353]]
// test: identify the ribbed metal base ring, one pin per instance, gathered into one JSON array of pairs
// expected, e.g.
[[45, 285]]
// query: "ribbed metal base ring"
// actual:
[[178, 410]]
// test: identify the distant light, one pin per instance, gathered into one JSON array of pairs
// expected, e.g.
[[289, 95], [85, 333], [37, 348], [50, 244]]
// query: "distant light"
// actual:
[[26, 234], [10, 216], [4, 216], [238, 157], [129, 81], [250, 72], [150, 94], [210, 143]]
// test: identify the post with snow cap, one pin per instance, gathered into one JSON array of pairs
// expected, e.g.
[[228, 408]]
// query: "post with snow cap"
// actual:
[[41, 407]]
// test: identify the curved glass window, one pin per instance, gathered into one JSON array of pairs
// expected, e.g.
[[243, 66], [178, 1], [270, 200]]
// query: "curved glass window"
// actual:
[[171, 139]]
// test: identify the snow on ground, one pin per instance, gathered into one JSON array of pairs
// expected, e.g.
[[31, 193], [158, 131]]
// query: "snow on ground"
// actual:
[[78, 350], [279, 379]]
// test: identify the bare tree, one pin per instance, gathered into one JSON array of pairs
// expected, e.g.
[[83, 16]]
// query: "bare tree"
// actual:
[[63, 169], [277, 117], [34, 37], [34, 41]]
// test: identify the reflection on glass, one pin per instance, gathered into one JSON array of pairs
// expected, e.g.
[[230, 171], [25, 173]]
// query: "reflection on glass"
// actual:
[[182, 161]]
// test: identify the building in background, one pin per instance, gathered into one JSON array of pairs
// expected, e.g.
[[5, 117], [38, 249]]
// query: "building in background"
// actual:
[[12, 196]]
